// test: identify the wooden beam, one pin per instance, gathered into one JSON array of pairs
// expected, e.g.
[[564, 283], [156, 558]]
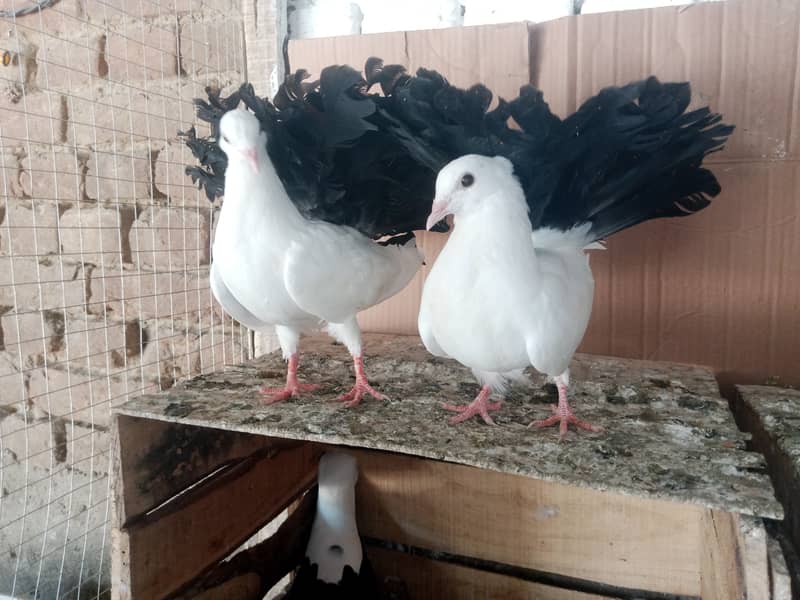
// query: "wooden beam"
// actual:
[[752, 544], [427, 578], [733, 559], [597, 536], [780, 579], [265, 563], [158, 552], [160, 459]]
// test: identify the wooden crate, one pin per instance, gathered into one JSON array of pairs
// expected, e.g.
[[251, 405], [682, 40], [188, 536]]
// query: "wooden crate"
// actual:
[[772, 415], [666, 502]]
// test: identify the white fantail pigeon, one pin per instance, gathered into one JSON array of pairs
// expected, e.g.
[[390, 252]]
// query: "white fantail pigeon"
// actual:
[[512, 287], [312, 183], [274, 267]]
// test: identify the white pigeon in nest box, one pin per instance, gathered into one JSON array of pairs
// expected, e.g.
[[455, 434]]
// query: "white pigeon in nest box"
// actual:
[[335, 565]]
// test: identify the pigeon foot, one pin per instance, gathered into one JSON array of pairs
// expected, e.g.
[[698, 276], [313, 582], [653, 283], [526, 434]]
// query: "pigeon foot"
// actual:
[[274, 395], [480, 406], [563, 415], [362, 386], [353, 397], [564, 420], [291, 389]]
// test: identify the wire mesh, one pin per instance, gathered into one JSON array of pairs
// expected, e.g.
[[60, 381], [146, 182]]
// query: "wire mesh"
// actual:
[[104, 256]]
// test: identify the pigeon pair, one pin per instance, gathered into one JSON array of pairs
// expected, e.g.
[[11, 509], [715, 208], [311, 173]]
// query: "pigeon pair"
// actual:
[[325, 185]]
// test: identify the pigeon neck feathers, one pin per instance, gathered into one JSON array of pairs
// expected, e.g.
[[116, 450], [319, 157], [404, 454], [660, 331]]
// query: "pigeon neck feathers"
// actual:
[[258, 193]]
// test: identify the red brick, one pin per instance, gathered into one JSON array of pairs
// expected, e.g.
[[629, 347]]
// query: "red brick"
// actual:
[[209, 47], [170, 238], [136, 50]]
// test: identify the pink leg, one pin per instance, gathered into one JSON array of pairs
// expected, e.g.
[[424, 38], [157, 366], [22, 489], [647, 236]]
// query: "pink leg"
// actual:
[[362, 386], [563, 415], [480, 406], [293, 387]]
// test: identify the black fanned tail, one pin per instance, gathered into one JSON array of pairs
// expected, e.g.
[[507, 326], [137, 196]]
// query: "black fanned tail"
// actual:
[[353, 157], [627, 155], [333, 157]]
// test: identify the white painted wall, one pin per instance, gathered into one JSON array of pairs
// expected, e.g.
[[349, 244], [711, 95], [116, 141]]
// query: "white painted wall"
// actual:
[[596, 6], [323, 18]]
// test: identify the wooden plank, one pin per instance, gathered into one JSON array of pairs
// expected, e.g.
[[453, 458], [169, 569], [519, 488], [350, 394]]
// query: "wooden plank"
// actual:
[[772, 415], [426, 578], [603, 537], [161, 459], [733, 559], [252, 572], [752, 544], [242, 587], [780, 580], [158, 553]]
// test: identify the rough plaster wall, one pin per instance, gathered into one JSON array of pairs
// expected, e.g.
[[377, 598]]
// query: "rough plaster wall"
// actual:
[[103, 255]]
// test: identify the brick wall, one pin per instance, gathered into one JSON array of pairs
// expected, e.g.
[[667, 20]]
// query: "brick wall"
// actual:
[[104, 254]]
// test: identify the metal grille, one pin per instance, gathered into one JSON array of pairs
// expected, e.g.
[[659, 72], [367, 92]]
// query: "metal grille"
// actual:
[[104, 255]]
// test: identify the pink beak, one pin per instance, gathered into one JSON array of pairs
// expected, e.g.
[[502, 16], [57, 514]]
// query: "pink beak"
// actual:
[[251, 156], [439, 211]]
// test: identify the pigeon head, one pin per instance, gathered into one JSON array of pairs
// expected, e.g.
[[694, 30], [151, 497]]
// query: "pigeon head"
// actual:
[[240, 136], [464, 182]]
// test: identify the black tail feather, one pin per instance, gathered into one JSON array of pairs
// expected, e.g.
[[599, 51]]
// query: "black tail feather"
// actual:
[[348, 156], [627, 155]]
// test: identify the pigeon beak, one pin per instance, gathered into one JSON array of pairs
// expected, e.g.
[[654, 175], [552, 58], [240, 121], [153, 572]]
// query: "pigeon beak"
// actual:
[[251, 156], [439, 211]]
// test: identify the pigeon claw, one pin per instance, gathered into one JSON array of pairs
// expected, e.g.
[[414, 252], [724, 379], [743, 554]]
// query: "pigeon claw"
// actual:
[[274, 395], [353, 397], [564, 417], [480, 406]]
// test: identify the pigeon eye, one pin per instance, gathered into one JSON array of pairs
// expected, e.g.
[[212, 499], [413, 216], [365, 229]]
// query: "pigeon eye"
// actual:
[[467, 180]]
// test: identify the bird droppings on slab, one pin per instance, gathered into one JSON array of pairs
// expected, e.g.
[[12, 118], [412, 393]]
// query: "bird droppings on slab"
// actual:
[[676, 441]]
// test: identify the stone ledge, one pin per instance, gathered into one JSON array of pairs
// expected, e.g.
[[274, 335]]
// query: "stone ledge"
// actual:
[[669, 435]]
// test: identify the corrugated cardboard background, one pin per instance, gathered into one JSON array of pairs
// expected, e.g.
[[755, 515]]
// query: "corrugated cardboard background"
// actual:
[[720, 288]]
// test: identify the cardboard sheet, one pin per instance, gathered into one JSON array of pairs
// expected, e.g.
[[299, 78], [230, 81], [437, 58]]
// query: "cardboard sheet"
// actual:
[[720, 288]]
